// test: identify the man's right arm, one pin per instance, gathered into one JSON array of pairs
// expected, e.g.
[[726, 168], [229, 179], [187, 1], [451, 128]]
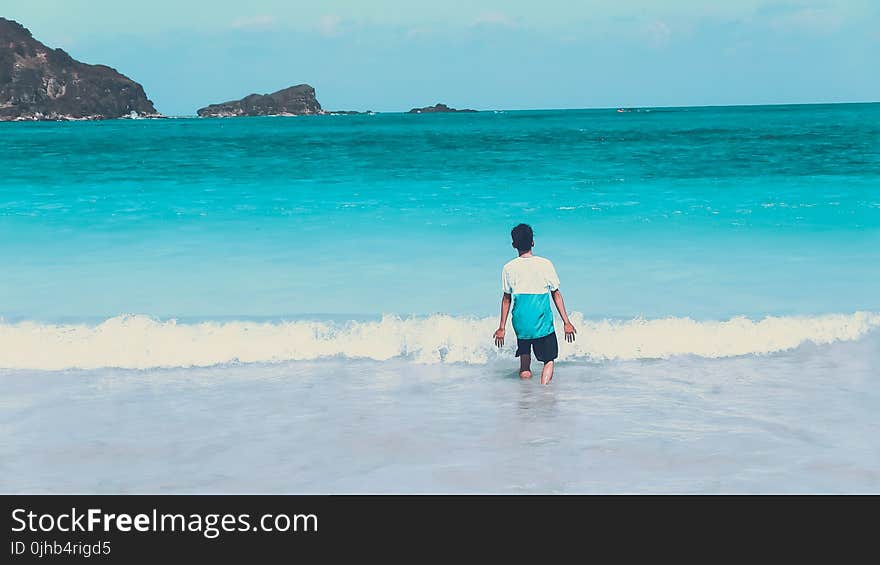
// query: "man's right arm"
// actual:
[[560, 307], [505, 309]]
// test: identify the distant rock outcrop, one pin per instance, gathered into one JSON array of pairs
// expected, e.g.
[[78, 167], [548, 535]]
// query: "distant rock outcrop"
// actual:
[[294, 101], [39, 83], [437, 108], [349, 113]]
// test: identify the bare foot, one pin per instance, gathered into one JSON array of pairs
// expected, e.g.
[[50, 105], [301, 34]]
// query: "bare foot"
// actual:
[[525, 362], [547, 373]]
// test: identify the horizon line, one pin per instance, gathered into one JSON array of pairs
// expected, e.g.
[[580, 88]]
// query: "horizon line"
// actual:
[[550, 109]]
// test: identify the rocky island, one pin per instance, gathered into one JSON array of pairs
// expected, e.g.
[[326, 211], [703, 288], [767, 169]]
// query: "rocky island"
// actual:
[[350, 113], [437, 108], [39, 83], [296, 100]]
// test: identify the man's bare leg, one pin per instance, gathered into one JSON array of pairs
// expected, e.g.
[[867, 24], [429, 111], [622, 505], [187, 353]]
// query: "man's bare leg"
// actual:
[[547, 373], [525, 362]]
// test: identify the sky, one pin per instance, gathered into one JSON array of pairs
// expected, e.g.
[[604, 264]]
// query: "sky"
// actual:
[[392, 55]]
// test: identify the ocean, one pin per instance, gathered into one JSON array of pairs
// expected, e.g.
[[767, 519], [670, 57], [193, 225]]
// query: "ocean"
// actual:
[[306, 304]]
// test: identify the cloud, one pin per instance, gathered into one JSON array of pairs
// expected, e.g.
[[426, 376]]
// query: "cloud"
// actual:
[[417, 32], [329, 25], [250, 22], [808, 20], [493, 19], [659, 33]]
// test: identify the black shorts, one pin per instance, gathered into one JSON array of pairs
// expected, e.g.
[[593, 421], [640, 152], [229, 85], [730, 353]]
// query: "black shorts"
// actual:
[[546, 348]]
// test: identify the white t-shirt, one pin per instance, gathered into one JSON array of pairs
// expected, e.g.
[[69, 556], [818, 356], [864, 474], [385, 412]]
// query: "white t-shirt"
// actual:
[[530, 280]]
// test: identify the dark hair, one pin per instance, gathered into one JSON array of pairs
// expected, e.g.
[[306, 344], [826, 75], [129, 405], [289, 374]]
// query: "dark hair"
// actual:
[[523, 238]]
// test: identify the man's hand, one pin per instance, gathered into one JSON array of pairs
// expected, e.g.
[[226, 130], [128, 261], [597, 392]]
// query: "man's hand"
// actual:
[[569, 332], [499, 337]]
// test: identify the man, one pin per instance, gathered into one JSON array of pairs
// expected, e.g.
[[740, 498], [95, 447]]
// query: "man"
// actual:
[[530, 281]]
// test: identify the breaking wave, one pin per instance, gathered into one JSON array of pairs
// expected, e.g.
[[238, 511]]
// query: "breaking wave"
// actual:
[[142, 342]]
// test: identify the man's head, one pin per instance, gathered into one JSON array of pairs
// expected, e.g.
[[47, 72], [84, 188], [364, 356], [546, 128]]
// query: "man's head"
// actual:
[[523, 238]]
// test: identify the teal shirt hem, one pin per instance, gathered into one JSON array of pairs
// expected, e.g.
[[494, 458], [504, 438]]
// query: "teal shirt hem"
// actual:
[[532, 316]]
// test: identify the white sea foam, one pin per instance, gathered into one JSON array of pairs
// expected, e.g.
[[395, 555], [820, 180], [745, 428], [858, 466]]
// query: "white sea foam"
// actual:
[[141, 342]]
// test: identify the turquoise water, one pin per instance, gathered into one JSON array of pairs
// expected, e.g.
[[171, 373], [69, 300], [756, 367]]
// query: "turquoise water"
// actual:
[[701, 212], [307, 304]]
